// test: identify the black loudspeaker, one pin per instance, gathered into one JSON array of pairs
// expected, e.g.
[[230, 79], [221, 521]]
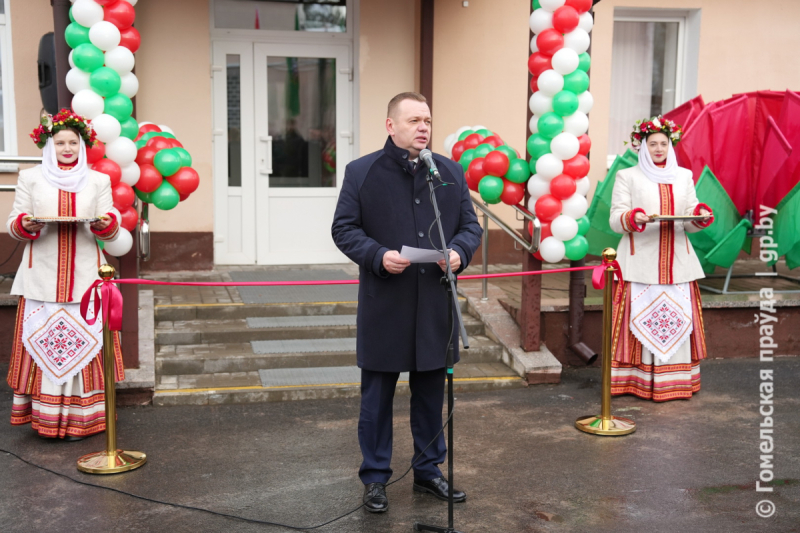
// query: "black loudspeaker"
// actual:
[[48, 87]]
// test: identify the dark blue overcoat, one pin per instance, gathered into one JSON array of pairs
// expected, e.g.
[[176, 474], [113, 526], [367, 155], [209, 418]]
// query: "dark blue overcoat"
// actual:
[[402, 319]]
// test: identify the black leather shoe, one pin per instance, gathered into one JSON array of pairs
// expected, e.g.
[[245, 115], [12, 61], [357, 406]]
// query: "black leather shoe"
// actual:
[[375, 499], [439, 487]]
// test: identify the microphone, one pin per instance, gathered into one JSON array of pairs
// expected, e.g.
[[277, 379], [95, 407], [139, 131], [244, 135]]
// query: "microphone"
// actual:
[[427, 157]]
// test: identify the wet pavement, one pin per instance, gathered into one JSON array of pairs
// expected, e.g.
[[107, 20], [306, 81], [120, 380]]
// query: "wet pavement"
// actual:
[[690, 466]]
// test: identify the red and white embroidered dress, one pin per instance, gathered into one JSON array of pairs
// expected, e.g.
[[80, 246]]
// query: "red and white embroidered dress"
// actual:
[[56, 366], [659, 339]]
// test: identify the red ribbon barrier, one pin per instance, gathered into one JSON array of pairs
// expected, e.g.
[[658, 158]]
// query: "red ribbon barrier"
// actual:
[[598, 275], [111, 300]]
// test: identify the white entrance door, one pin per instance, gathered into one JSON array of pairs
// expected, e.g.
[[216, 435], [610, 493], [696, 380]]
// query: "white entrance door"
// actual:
[[283, 135]]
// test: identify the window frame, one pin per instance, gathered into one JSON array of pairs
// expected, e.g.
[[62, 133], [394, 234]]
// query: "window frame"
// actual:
[[7, 80]]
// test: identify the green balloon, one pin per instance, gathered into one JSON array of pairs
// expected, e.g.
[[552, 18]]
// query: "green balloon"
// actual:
[[120, 107], [76, 35], [88, 57], [576, 248], [164, 134], [167, 162], [465, 134], [537, 4], [140, 143], [490, 188], [565, 103], [482, 149], [484, 132], [130, 129], [101, 244], [576, 82], [538, 146], [506, 149], [550, 125], [585, 61], [165, 197], [186, 158], [583, 225], [105, 81], [466, 158], [518, 171], [143, 196]]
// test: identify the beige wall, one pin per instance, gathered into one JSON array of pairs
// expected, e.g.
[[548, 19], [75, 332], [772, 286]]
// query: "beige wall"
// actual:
[[388, 63], [174, 70]]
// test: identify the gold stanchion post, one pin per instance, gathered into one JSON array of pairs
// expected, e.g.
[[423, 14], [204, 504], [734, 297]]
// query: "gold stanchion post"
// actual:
[[111, 460], [606, 424]]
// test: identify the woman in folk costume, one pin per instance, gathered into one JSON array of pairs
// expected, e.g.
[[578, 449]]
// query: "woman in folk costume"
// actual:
[[56, 362], [658, 338]]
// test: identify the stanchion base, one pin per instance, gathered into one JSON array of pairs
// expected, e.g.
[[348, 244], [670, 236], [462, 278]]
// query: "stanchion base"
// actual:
[[616, 426], [102, 463], [435, 529]]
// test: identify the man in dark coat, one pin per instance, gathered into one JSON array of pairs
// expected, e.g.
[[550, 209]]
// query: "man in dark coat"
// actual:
[[403, 308]]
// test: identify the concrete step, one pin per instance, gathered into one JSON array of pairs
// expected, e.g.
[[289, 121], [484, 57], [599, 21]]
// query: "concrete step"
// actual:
[[206, 358], [246, 387], [216, 331]]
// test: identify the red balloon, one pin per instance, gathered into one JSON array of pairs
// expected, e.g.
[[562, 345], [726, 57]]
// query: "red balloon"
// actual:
[[494, 140], [476, 169], [577, 167], [106, 2], [130, 218], [496, 163], [95, 152], [147, 128], [120, 14], [565, 19], [150, 178], [472, 183], [581, 6], [534, 84], [159, 143], [175, 143], [130, 39], [110, 169], [473, 140], [123, 196], [538, 63], [185, 181], [585, 144], [145, 155], [563, 186], [547, 207], [182, 197], [513, 193], [458, 149], [550, 41], [545, 233]]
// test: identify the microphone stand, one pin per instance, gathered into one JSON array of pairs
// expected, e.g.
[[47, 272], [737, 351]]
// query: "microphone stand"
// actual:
[[448, 281]]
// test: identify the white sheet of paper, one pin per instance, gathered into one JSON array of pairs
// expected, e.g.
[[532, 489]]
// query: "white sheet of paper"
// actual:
[[419, 255]]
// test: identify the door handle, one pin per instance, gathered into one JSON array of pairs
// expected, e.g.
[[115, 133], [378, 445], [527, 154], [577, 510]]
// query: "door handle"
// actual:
[[348, 135], [265, 168]]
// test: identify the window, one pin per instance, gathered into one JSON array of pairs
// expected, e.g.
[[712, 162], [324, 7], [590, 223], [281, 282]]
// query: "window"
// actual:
[[8, 140], [650, 71], [282, 15]]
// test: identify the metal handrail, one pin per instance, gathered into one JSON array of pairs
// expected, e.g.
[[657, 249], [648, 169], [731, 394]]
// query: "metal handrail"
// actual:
[[17, 159], [144, 233]]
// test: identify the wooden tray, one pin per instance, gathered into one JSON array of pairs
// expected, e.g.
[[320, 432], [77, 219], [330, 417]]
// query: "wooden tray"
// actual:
[[679, 217]]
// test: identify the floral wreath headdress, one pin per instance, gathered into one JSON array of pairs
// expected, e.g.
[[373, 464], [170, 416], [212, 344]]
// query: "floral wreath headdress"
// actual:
[[657, 124], [52, 124]]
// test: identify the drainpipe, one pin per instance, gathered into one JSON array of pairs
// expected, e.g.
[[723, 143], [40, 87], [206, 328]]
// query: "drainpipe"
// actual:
[[60, 23]]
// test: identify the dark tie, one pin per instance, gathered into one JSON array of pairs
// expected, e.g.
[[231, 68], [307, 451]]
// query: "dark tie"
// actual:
[[412, 167]]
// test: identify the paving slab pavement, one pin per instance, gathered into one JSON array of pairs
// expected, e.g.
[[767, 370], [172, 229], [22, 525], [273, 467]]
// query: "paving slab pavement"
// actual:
[[690, 467]]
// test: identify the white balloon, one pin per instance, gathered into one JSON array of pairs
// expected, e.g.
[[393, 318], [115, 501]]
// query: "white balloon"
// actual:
[[533, 124], [575, 206], [532, 203], [131, 174], [583, 185], [106, 127], [87, 103], [564, 228], [87, 13], [576, 123], [565, 61], [130, 85], [565, 146], [540, 103], [132, 2], [534, 46], [552, 5], [166, 129], [122, 244], [459, 131], [122, 151], [77, 80], [552, 250], [551, 82], [145, 124], [120, 59], [537, 187], [586, 22], [104, 35], [549, 166], [449, 141], [479, 127], [71, 62], [540, 20], [585, 102], [577, 40]]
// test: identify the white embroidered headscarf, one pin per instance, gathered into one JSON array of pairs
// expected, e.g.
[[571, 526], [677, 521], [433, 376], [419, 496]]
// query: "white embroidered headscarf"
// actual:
[[73, 180], [656, 174]]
